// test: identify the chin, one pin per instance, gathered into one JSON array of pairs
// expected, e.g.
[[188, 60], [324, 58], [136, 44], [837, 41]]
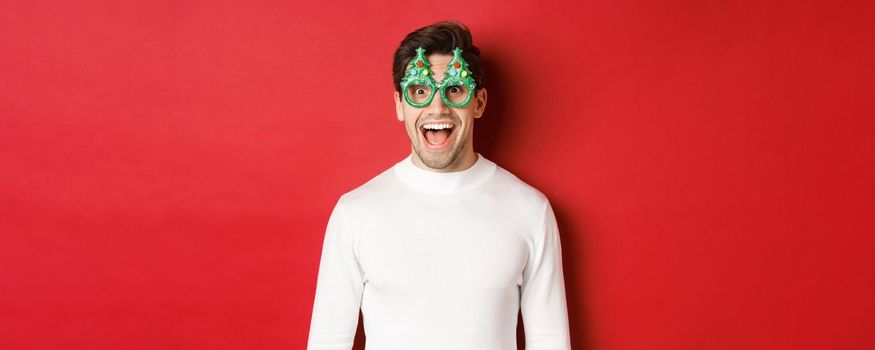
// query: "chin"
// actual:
[[437, 160]]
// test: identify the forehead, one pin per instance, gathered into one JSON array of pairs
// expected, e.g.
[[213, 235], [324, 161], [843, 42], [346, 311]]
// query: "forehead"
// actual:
[[438, 62]]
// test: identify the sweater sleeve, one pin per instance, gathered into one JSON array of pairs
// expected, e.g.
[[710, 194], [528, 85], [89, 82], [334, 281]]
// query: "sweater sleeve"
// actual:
[[542, 293], [339, 287]]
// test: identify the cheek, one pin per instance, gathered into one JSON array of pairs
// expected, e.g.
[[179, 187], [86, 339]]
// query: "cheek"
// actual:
[[467, 116], [410, 118], [411, 128]]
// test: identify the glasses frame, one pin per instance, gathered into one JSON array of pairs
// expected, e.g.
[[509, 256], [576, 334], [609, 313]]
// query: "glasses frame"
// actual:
[[442, 87], [420, 74]]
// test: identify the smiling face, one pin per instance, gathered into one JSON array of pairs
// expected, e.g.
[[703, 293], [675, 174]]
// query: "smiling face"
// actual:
[[441, 136]]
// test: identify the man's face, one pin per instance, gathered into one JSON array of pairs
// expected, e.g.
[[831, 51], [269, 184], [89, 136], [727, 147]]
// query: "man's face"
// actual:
[[440, 148]]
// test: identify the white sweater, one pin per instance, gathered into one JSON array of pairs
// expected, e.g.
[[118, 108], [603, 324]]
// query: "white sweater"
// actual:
[[441, 261]]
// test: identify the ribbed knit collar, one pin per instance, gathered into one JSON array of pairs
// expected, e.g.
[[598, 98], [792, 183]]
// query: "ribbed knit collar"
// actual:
[[434, 182]]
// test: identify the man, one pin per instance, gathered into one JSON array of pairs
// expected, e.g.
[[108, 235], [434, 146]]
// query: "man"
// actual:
[[445, 248]]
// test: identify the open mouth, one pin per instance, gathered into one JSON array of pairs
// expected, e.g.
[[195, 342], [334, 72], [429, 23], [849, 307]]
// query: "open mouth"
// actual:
[[437, 135]]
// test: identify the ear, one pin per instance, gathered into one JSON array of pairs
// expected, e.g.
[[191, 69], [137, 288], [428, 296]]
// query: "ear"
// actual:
[[480, 103], [399, 110]]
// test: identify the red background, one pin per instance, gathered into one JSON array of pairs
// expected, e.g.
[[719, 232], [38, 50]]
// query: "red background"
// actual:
[[167, 168]]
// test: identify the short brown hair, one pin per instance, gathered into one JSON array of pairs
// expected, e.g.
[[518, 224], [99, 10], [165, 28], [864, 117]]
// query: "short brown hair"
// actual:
[[440, 37]]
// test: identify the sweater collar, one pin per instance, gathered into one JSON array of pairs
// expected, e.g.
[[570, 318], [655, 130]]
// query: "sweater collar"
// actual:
[[444, 183]]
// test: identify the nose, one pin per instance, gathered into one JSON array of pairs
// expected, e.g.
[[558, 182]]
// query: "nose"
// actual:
[[437, 106]]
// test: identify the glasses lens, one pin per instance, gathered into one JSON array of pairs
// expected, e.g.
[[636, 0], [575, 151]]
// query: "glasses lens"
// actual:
[[418, 93], [456, 93]]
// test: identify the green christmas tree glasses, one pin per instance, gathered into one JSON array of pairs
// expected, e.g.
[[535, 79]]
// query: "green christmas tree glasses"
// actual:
[[456, 89]]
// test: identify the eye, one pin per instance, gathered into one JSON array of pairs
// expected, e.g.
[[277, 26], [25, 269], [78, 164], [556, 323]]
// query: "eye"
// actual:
[[419, 91]]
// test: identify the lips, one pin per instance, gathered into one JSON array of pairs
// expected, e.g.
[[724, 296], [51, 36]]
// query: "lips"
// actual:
[[437, 134]]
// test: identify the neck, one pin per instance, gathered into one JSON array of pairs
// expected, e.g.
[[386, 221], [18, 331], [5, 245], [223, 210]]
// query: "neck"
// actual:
[[445, 182]]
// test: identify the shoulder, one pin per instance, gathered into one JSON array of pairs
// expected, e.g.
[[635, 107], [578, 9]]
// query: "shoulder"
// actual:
[[518, 190], [524, 204], [372, 193]]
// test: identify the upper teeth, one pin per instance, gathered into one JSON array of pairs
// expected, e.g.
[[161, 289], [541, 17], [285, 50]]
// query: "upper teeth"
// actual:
[[437, 126]]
